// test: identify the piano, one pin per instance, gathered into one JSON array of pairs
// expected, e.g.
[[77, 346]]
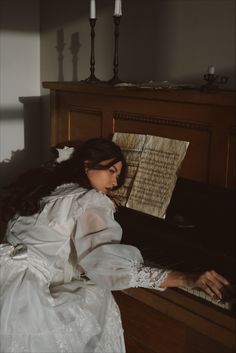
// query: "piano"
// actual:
[[199, 230], [197, 234]]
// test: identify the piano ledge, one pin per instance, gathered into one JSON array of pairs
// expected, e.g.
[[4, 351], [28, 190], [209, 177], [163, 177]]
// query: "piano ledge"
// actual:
[[205, 319]]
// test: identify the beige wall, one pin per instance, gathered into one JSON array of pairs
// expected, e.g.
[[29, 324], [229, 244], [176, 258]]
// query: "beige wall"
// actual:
[[172, 40], [20, 144]]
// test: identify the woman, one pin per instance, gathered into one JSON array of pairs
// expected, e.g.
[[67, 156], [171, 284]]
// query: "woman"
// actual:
[[62, 257]]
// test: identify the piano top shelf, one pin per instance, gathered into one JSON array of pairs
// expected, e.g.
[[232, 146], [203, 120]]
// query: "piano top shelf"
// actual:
[[188, 95]]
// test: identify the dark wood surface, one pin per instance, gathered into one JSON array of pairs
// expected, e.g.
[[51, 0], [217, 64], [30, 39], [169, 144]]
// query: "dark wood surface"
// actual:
[[206, 119], [172, 323]]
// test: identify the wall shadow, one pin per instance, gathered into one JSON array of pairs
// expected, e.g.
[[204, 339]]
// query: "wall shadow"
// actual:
[[60, 49], [31, 155], [74, 49]]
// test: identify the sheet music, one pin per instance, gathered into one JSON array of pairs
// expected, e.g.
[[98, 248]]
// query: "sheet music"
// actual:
[[132, 147], [156, 175], [153, 163]]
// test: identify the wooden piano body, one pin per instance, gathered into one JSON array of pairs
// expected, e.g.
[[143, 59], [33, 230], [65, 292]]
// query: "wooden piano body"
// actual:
[[199, 231], [175, 321]]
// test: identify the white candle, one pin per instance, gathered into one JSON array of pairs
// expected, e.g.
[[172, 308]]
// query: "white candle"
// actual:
[[211, 70], [118, 8], [92, 9]]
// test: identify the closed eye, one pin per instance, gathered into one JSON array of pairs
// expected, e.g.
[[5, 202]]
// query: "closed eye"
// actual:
[[113, 170]]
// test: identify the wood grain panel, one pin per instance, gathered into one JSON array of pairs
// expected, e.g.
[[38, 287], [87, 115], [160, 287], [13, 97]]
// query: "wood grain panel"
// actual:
[[151, 318], [231, 165], [150, 328], [84, 124], [196, 162], [80, 111]]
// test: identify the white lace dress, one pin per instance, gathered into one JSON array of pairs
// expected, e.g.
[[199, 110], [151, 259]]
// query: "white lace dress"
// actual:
[[58, 269]]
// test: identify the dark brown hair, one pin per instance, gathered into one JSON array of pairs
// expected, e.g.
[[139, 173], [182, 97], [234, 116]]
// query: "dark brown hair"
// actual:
[[25, 193]]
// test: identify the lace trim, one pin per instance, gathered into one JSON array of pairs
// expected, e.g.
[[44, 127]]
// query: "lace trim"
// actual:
[[112, 339], [147, 277]]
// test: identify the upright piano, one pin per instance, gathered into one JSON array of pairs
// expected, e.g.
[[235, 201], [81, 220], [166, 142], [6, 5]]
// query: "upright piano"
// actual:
[[198, 232]]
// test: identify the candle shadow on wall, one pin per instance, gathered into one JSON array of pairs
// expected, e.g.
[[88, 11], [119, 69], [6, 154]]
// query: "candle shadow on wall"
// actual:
[[74, 48], [60, 49]]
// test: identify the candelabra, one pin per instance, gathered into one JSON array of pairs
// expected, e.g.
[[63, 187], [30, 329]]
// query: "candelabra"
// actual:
[[213, 81], [92, 78], [115, 79]]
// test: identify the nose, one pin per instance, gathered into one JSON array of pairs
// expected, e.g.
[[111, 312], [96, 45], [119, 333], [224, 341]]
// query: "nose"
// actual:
[[114, 181]]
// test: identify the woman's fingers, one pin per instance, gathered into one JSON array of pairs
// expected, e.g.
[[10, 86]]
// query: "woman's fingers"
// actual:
[[220, 278], [212, 283]]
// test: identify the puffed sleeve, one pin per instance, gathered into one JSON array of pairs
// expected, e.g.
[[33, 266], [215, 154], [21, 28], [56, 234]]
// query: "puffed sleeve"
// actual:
[[118, 266], [104, 260]]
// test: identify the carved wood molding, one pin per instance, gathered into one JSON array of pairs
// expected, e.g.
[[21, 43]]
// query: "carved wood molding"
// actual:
[[157, 120], [83, 110]]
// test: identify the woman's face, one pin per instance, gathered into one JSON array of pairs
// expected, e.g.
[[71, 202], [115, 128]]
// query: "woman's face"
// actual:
[[104, 180]]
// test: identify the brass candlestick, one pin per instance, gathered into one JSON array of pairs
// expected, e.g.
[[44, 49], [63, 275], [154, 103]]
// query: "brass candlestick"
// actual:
[[92, 78], [115, 79]]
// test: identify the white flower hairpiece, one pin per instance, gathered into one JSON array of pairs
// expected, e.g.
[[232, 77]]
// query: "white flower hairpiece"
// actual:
[[64, 153]]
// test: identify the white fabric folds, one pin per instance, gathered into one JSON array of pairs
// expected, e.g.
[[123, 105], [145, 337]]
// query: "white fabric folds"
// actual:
[[57, 272]]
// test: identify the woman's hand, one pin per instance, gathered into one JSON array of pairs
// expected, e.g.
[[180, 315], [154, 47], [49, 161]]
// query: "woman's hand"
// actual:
[[211, 282]]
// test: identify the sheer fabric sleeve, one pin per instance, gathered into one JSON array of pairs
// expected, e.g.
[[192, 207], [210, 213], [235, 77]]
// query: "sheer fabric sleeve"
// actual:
[[104, 260], [118, 266]]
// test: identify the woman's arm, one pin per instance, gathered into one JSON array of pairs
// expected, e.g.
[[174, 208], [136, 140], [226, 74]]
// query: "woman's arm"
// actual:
[[118, 266]]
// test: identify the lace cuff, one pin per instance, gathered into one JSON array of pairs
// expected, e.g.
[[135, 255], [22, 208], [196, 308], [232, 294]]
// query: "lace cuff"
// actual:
[[147, 277]]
